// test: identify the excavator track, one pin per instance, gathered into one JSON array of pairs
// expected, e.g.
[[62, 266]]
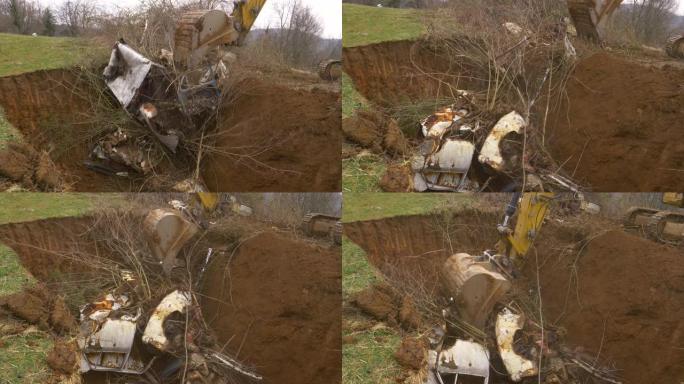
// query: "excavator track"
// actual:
[[662, 226], [675, 46], [319, 225], [330, 70]]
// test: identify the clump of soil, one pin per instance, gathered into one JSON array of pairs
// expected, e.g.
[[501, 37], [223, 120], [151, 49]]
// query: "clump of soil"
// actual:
[[62, 358], [23, 164], [373, 130], [277, 138], [397, 178], [411, 353], [621, 138], [384, 304], [36, 305], [276, 301]]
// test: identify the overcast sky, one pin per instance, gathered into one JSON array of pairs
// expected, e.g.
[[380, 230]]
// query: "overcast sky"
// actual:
[[329, 12]]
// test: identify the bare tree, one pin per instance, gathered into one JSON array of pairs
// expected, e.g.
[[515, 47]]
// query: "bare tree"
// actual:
[[23, 16], [652, 19], [298, 34], [77, 15]]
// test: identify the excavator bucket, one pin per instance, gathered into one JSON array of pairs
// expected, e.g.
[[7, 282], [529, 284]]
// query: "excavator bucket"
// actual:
[[198, 31]]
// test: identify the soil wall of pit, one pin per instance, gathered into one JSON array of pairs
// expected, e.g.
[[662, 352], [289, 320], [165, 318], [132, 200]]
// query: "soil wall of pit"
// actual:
[[401, 72], [275, 138], [612, 291], [277, 302], [52, 111]]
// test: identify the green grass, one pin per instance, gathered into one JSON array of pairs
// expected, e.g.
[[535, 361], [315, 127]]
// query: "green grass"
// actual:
[[352, 100], [371, 206], [369, 358], [29, 206], [362, 174], [363, 25], [21, 53], [7, 131], [22, 358]]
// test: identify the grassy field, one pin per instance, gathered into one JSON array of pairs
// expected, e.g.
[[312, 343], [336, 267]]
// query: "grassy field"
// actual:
[[22, 357], [21, 53], [367, 353], [363, 25]]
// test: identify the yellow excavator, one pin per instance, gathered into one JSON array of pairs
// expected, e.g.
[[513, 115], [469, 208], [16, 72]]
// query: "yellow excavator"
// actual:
[[590, 15], [476, 283]]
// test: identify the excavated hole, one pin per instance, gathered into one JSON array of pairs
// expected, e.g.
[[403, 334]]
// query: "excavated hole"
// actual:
[[270, 136], [606, 136], [271, 299], [612, 292]]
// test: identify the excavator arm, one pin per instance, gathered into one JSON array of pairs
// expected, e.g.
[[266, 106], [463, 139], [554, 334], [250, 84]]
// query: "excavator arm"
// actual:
[[531, 210], [245, 14]]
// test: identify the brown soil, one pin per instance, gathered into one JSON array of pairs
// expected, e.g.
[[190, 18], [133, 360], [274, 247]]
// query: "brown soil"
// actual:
[[627, 304], [397, 178], [23, 164], [411, 353], [36, 305], [280, 139], [280, 308], [621, 122], [619, 118], [291, 135], [625, 300], [400, 72], [62, 358], [375, 131]]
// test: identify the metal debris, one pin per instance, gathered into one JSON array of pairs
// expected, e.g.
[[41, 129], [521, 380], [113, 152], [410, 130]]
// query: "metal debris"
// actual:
[[466, 359], [507, 324], [490, 154], [126, 72], [176, 301], [474, 285]]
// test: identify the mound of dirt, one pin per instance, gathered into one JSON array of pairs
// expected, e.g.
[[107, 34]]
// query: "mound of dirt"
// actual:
[[276, 303], [624, 301], [411, 353], [277, 139], [621, 138], [384, 304]]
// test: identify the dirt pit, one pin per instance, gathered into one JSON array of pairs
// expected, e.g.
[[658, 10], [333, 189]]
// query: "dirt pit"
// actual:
[[272, 301], [270, 137], [617, 295], [606, 135]]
